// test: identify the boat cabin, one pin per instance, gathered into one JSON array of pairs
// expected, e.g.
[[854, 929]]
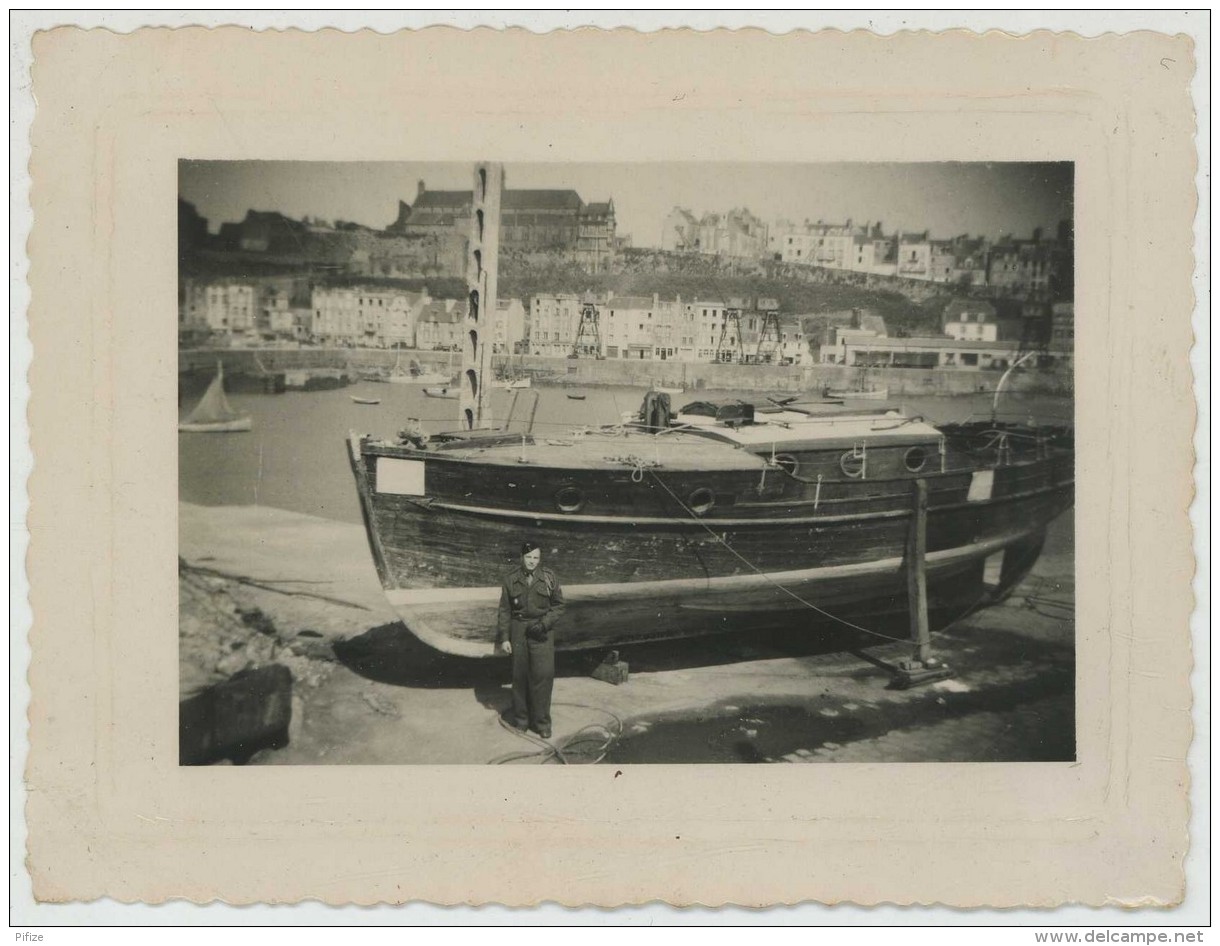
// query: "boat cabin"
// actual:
[[825, 440]]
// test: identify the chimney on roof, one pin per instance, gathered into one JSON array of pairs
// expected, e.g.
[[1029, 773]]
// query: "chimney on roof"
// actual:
[[419, 189], [1037, 234]]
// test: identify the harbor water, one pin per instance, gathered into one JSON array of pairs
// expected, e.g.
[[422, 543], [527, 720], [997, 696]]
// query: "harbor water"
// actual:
[[295, 457]]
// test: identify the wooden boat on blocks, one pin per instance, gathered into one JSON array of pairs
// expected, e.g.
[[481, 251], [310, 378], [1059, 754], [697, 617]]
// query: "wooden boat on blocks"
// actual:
[[725, 517]]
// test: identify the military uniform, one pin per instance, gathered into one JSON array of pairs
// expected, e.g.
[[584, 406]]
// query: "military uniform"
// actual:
[[530, 601]]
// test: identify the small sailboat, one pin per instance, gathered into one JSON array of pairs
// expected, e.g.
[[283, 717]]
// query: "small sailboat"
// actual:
[[519, 383], [213, 413], [365, 400], [445, 392], [414, 374]]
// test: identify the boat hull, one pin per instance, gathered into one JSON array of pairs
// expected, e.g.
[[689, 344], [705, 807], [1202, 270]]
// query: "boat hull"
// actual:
[[235, 426], [870, 597], [649, 574]]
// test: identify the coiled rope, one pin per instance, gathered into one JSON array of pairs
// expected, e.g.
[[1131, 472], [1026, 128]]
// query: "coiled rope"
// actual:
[[593, 740]]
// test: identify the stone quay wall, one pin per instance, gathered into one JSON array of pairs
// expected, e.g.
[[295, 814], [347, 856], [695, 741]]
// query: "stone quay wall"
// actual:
[[694, 376]]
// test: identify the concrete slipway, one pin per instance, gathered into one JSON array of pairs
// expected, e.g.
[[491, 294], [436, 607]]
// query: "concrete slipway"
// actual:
[[261, 585]]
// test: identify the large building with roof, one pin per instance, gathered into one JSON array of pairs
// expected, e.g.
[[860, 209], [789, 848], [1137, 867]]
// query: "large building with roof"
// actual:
[[554, 220]]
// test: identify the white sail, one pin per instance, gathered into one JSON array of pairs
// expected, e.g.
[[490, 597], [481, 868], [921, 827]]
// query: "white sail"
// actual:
[[214, 411]]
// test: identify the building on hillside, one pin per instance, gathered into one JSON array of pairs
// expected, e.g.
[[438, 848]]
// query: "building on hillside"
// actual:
[[221, 306], [265, 232], [970, 319], [366, 316], [628, 326], [508, 328], [440, 325], [1063, 326], [553, 322], [556, 220], [737, 233], [707, 319], [874, 254], [596, 243], [673, 332], [794, 345], [276, 320], [679, 231], [860, 330], [942, 258], [830, 245], [1036, 266], [914, 255], [969, 261]]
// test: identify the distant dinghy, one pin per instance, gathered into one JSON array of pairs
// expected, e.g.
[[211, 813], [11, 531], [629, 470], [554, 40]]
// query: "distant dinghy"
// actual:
[[449, 393], [365, 400], [213, 414]]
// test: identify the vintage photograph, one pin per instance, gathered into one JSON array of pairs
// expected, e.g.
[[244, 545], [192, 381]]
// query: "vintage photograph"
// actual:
[[700, 414], [625, 463]]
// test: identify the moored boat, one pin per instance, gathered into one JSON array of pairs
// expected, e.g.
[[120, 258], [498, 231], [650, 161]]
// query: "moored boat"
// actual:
[[365, 400], [749, 520], [870, 393], [726, 517], [213, 414], [414, 374]]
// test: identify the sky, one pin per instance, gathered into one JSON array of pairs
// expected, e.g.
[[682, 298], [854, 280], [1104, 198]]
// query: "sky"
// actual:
[[982, 199]]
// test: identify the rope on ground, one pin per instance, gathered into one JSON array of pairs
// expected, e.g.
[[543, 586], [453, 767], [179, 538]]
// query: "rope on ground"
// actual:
[[593, 740]]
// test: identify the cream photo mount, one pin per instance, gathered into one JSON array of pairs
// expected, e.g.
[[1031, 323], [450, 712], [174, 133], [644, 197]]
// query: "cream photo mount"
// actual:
[[109, 811]]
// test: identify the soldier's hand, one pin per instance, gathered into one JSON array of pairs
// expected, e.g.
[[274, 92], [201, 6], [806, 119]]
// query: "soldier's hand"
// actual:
[[505, 647]]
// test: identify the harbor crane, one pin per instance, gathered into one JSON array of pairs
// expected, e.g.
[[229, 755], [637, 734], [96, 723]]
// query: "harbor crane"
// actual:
[[588, 342], [763, 318]]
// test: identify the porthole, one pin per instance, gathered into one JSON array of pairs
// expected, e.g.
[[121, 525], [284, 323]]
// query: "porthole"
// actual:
[[569, 499], [852, 464], [916, 459], [788, 463], [701, 500]]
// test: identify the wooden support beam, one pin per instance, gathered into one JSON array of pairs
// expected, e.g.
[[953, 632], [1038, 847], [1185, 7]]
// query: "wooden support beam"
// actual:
[[917, 574]]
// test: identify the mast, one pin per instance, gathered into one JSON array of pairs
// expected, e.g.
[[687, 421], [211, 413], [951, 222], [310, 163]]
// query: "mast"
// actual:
[[482, 269]]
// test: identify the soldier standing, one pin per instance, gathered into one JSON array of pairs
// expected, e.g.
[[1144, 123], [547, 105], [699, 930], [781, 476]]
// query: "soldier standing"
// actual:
[[531, 601]]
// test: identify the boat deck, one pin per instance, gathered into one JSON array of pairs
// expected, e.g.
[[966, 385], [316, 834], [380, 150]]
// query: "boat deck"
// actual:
[[594, 449], [785, 428]]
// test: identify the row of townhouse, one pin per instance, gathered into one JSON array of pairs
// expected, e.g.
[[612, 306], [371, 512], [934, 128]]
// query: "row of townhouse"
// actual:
[[1036, 265], [397, 318], [652, 328], [737, 233], [350, 316]]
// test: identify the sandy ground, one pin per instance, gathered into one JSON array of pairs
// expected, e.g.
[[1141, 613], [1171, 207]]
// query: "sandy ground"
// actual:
[[262, 585]]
